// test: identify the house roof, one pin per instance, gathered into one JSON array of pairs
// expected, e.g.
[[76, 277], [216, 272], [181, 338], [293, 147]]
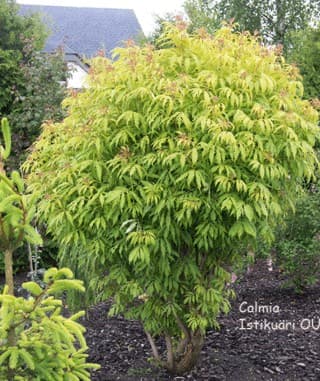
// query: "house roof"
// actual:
[[86, 30]]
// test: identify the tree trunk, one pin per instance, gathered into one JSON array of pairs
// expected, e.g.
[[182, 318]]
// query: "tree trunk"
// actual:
[[187, 358], [191, 355], [8, 270], [184, 357]]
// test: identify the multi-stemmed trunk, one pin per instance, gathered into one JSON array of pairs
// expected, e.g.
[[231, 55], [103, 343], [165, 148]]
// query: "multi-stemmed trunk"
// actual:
[[183, 356]]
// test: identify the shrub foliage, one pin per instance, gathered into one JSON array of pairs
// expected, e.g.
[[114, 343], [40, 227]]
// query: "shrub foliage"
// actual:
[[166, 163], [36, 341], [298, 243], [17, 209], [44, 345]]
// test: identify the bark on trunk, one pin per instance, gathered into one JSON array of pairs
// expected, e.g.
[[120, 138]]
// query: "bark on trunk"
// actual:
[[187, 355], [191, 356], [9, 271], [1, 167], [184, 357]]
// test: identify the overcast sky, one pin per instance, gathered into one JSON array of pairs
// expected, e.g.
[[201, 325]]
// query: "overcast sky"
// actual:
[[144, 9]]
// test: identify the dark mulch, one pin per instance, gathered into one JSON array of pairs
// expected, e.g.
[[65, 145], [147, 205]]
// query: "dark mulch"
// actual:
[[232, 354]]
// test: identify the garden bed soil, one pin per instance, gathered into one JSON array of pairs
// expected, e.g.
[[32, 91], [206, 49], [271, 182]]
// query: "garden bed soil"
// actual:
[[283, 351]]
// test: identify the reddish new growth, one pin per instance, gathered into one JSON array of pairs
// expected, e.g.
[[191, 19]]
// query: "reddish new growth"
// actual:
[[243, 75], [283, 93], [104, 110], [203, 34], [315, 103], [124, 153], [109, 68], [73, 93], [220, 42], [132, 61], [150, 54], [101, 53], [294, 71], [91, 72], [184, 140], [180, 23], [172, 88], [130, 43], [278, 50]]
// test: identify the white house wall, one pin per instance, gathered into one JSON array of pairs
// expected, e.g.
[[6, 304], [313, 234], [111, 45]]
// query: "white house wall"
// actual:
[[77, 78]]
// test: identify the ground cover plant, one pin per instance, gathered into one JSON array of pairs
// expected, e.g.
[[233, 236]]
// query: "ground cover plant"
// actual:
[[166, 165]]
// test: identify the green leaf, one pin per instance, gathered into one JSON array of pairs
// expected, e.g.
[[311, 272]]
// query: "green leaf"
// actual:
[[31, 235], [5, 129], [14, 355], [27, 358], [33, 288]]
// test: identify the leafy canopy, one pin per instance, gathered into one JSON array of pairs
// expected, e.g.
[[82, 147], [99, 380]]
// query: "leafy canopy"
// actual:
[[169, 161]]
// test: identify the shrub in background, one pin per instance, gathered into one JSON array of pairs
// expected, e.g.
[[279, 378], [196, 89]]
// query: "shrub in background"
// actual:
[[305, 53], [167, 164], [36, 99], [14, 31], [298, 243]]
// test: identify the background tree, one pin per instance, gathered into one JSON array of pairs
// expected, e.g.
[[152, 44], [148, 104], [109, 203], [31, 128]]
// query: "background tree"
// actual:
[[181, 156], [37, 98], [273, 19], [305, 53], [202, 14], [30, 82], [14, 31], [298, 243], [160, 22], [199, 13]]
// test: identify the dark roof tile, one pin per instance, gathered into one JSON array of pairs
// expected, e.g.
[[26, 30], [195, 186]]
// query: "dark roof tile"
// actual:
[[86, 30]]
